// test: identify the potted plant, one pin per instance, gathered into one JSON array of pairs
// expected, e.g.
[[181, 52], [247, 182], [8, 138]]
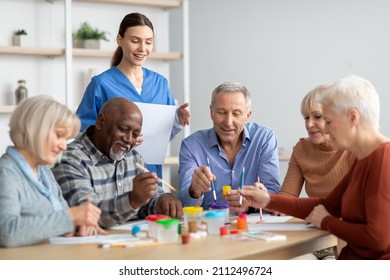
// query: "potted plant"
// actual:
[[20, 38], [88, 37]]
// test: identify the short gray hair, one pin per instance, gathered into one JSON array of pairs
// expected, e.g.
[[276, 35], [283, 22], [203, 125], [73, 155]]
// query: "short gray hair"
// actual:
[[34, 118], [232, 87], [356, 92], [309, 101]]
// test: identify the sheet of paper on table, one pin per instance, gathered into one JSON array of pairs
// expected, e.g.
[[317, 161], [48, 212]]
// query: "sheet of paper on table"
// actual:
[[278, 223], [264, 235], [143, 224], [267, 218], [111, 238]]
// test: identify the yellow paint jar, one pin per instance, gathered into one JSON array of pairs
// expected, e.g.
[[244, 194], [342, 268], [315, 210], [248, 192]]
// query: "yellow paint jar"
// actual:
[[225, 190]]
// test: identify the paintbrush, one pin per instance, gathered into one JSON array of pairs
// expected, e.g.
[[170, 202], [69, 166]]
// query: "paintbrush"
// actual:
[[260, 209], [242, 183], [212, 182], [160, 180], [197, 202]]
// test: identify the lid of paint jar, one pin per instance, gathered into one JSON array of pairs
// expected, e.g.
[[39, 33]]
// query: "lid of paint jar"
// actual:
[[155, 217], [218, 205], [215, 214], [168, 223], [192, 210]]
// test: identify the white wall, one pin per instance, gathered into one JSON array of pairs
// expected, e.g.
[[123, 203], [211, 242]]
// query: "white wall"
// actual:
[[280, 49]]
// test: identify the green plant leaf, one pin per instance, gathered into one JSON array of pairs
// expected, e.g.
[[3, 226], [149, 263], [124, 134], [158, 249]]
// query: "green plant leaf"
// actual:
[[20, 32], [86, 31]]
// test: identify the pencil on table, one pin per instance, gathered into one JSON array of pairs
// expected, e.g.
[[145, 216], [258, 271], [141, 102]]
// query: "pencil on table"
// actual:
[[161, 180], [131, 244]]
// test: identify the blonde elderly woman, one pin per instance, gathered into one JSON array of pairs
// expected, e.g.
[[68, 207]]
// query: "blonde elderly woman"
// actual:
[[314, 162], [32, 208], [357, 210]]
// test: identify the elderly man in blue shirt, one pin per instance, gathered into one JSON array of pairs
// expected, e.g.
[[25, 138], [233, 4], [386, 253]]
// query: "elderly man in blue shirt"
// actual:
[[231, 146]]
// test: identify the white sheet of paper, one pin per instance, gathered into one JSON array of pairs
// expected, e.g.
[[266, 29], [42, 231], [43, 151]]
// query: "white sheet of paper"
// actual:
[[267, 218], [279, 226], [60, 240], [274, 223], [156, 127], [143, 224]]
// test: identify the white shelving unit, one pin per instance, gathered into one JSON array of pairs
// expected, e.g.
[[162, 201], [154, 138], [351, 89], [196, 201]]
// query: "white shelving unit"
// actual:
[[52, 52], [6, 109], [152, 3], [52, 66], [71, 55]]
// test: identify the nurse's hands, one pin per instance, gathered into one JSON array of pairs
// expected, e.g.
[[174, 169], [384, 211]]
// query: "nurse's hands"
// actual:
[[184, 114]]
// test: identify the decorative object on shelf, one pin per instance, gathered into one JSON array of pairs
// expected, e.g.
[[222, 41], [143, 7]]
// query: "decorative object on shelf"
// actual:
[[88, 37], [21, 91], [20, 38]]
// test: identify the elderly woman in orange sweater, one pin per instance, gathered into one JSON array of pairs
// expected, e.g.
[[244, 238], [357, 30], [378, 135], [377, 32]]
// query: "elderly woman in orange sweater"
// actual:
[[357, 209], [314, 162]]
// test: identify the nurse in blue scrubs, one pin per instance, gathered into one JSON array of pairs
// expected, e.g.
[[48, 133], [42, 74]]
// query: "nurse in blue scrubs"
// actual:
[[129, 79]]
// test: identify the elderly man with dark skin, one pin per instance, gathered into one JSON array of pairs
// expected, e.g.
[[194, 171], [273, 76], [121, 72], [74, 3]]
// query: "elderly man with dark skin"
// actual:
[[101, 164]]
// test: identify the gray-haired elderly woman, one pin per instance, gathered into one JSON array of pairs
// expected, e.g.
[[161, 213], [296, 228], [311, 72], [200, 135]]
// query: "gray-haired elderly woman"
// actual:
[[32, 208]]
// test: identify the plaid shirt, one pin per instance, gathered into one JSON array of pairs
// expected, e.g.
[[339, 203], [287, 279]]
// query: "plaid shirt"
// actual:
[[84, 171]]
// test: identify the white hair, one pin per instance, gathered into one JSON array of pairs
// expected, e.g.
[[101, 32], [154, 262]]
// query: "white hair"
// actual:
[[356, 92]]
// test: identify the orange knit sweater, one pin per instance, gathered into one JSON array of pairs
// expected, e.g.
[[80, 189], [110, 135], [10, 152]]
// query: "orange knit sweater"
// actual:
[[358, 206], [319, 168]]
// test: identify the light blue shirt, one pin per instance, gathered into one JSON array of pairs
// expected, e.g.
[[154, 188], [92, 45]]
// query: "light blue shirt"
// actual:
[[26, 215], [258, 153]]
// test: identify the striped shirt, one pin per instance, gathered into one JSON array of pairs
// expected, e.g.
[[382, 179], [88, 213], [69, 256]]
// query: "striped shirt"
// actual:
[[84, 171]]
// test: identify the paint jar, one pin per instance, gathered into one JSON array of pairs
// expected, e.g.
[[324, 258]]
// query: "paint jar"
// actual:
[[225, 190], [192, 213], [152, 226], [221, 207], [241, 221], [223, 230], [185, 238], [192, 226], [167, 230], [215, 220]]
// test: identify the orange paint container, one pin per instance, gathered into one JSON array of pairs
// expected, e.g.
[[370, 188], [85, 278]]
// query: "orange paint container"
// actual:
[[242, 221]]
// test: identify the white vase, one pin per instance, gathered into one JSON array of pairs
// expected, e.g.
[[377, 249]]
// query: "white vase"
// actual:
[[91, 44], [20, 40]]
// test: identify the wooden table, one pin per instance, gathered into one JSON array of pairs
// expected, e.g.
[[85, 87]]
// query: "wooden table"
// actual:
[[206, 248]]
